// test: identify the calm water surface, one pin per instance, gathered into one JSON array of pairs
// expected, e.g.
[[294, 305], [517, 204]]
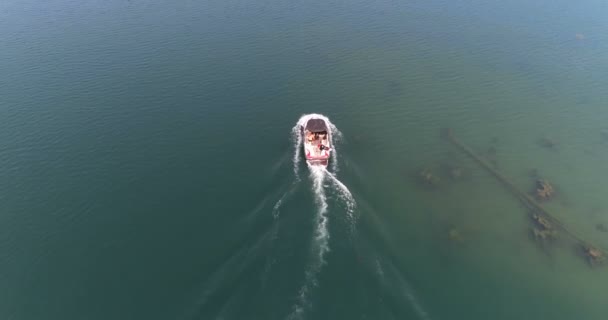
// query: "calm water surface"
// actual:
[[147, 159]]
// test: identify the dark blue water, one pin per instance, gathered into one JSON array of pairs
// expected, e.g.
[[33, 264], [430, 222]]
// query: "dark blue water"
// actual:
[[149, 170]]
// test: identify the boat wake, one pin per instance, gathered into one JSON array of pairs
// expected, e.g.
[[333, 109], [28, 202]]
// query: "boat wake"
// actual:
[[395, 279], [320, 243], [344, 195], [319, 177], [263, 252]]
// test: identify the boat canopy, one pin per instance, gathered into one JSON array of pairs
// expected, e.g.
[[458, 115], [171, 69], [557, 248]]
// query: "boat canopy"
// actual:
[[316, 125]]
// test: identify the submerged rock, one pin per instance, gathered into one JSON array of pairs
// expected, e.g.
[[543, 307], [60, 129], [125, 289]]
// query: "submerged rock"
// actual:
[[427, 178], [594, 255], [542, 230], [547, 143], [454, 235], [454, 171], [541, 222], [544, 190]]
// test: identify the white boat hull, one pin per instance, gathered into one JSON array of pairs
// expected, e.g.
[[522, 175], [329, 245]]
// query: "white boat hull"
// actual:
[[317, 142]]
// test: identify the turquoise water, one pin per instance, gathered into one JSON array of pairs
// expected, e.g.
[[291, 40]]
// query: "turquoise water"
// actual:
[[148, 160]]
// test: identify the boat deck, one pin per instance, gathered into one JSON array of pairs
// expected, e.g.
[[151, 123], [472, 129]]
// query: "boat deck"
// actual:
[[312, 148]]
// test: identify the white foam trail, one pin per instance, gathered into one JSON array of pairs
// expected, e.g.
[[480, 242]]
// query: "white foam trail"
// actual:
[[345, 195], [277, 206], [296, 138], [320, 244], [318, 176]]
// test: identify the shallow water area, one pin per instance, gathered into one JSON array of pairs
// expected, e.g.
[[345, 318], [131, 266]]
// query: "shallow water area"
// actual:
[[152, 164]]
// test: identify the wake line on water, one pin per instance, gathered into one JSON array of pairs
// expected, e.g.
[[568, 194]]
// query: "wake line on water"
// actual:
[[296, 138], [344, 195], [405, 291], [276, 209], [318, 175], [320, 242]]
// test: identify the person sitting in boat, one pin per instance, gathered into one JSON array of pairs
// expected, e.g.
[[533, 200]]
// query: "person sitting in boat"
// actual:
[[310, 136], [324, 150]]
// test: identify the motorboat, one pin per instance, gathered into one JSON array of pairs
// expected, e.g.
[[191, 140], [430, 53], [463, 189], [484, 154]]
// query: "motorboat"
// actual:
[[317, 141]]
